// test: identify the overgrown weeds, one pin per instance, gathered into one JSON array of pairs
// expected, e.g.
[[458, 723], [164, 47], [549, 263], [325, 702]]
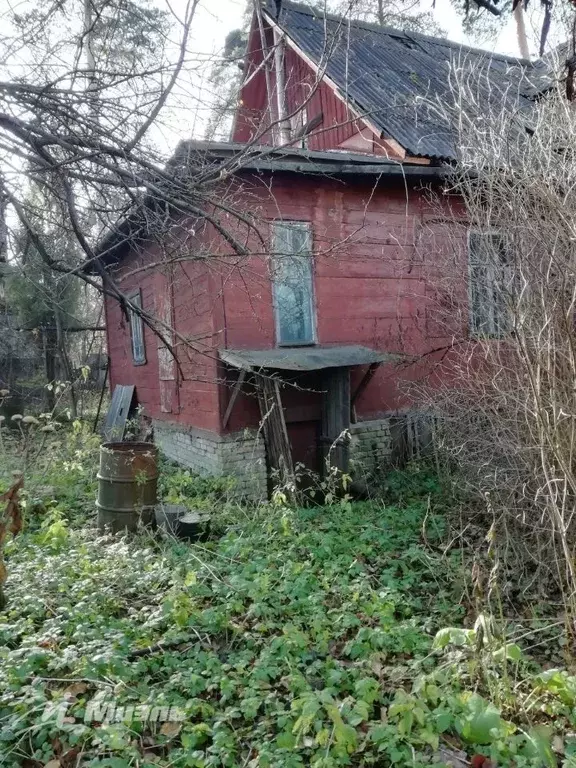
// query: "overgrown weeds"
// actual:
[[297, 637]]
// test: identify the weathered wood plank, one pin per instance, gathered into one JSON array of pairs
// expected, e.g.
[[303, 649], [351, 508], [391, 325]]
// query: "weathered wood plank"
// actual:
[[336, 418], [115, 424], [233, 398], [275, 432]]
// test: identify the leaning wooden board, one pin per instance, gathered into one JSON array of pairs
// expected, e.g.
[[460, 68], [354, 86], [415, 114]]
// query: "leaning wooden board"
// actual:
[[117, 416]]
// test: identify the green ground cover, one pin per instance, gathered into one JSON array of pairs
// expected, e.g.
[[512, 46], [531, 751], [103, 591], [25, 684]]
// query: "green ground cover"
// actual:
[[328, 636]]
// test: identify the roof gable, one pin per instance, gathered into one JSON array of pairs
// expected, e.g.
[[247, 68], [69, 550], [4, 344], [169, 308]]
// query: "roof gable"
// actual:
[[390, 76]]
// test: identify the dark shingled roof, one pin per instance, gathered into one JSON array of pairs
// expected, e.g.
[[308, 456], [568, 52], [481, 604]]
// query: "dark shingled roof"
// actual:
[[388, 74]]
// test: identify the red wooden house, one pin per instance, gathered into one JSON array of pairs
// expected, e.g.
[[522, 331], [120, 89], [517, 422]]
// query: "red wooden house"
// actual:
[[306, 338]]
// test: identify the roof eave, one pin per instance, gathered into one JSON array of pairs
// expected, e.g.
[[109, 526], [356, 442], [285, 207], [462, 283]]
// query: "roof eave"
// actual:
[[274, 160]]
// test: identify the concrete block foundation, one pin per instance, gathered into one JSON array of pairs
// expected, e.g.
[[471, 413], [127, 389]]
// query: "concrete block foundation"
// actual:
[[242, 455]]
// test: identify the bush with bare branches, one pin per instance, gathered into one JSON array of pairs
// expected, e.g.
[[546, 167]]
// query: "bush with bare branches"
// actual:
[[505, 389]]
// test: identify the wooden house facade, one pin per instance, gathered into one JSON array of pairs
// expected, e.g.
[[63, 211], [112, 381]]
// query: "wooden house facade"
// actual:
[[298, 351]]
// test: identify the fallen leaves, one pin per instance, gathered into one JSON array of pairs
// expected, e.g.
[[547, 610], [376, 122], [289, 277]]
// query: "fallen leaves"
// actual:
[[12, 516], [76, 689], [171, 730]]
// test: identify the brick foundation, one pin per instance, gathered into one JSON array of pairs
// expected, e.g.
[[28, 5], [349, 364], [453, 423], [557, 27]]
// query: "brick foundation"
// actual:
[[240, 455], [370, 447]]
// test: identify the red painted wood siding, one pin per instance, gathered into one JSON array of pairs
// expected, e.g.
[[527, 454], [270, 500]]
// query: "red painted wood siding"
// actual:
[[303, 89], [122, 368], [377, 252], [196, 400], [252, 109]]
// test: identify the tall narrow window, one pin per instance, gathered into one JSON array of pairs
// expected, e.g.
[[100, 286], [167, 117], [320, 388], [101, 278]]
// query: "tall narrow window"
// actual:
[[293, 283], [166, 361], [137, 331], [490, 284]]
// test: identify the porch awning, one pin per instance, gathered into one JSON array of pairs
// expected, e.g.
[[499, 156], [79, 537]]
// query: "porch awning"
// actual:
[[305, 358]]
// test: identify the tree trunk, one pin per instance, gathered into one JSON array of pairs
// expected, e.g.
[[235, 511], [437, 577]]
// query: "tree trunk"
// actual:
[[66, 364], [381, 12], [49, 343], [521, 31]]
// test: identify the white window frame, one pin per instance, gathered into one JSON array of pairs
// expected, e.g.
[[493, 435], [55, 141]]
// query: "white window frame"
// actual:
[[137, 330], [496, 321], [307, 226]]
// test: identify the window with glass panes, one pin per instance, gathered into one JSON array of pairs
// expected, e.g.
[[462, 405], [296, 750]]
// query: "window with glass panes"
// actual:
[[137, 330], [293, 283], [490, 281]]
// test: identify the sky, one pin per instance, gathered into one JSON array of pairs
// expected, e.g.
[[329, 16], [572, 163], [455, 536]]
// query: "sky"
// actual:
[[217, 17]]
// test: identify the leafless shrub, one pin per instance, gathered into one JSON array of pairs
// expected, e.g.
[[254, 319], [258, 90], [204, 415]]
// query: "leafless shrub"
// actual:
[[504, 385]]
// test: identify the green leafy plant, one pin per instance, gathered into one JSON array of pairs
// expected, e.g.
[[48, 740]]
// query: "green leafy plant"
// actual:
[[324, 636], [182, 486]]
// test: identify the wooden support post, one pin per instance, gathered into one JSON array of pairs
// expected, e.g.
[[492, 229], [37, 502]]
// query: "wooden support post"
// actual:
[[365, 380], [233, 398], [275, 431]]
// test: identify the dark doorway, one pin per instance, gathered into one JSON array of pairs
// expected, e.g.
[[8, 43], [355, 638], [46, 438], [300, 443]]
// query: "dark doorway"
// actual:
[[304, 438]]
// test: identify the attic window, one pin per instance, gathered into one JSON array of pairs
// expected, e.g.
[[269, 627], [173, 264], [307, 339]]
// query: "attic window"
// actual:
[[297, 126], [302, 127]]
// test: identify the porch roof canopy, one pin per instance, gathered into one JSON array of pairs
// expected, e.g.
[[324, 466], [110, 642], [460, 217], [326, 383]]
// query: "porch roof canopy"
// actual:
[[304, 358]]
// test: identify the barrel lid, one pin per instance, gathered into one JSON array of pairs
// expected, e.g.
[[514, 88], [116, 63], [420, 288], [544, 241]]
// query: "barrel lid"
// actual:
[[195, 517]]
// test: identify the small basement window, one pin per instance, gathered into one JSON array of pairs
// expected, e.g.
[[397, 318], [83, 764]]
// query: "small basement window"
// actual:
[[293, 283], [490, 278], [137, 330]]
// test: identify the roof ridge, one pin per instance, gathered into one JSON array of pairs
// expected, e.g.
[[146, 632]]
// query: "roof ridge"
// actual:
[[393, 31]]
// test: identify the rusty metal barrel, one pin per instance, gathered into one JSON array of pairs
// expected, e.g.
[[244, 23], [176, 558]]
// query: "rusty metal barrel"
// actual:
[[127, 485]]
